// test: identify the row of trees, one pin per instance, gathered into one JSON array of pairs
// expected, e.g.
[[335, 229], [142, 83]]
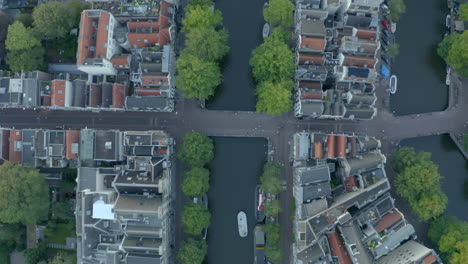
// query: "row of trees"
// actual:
[[451, 237], [454, 51], [197, 150], [50, 21], [397, 8], [418, 181], [272, 184], [273, 61], [198, 69]]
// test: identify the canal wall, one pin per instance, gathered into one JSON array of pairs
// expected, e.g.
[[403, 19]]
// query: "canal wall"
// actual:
[[459, 142]]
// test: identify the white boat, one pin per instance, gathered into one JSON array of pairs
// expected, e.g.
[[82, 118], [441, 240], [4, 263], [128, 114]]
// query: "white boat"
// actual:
[[393, 84], [393, 27], [447, 21], [242, 223], [266, 30], [447, 77]]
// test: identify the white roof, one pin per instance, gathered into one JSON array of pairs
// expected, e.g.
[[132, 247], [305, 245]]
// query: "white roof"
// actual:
[[102, 210]]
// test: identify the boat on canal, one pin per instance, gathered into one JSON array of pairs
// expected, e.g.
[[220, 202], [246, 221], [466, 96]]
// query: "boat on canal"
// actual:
[[448, 20], [260, 202], [242, 223], [393, 84], [266, 30]]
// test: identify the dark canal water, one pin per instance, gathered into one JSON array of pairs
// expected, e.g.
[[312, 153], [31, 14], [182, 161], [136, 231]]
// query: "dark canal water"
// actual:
[[420, 71], [234, 173], [244, 21], [452, 165]]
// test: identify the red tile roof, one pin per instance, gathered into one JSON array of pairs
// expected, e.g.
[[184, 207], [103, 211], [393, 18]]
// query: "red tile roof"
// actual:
[[350, 45], [353, 151], [147, 91], [429, 259], [58, 93], [72, 138], [118, 95], [312, 96], [154, 80], [95, 95], [15, 156], [318, 150], [102, 35], [330, 152], [86, 38], [46, 100], [350, 183], [338, 248], [359, 61], [310, 85], [143, 26], [165, 9], [147, 34], [314, 59], [137, 40], [313, 43], [340, 147], [366, 33], [121, 61], [388, 220]]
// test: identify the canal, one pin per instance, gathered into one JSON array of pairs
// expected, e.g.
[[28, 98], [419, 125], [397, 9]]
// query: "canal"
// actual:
[[234, 173], [452, 165], [420, 71], [244, 21]]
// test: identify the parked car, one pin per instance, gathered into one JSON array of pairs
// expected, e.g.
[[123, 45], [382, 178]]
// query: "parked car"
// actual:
[[386, 32], [386, 59], [384, 47], [384, 39], [386, 24]]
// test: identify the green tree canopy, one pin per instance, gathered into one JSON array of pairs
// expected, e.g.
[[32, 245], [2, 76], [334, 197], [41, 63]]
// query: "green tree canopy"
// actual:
[[463, 11], [207, 43], [192, 251], [273, 61], [24, 194], [195, 217], [196, 182], [272, 208], [393, 50], [418, 181], [279, 12], [274, 97], [197, 78], [200, 2], [20, 37], [272, 232], [451, 236], [454, 50], [397, 8], [271, 178], [61, 210], [24, 18], [35, 255], [63, 258], [197, 149], [279, 34], [201, 16], [56, 19], [273, 252], [28, 59]]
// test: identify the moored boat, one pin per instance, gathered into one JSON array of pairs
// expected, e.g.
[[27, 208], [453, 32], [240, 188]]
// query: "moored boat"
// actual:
[[266, 30], [393, 27], [260, 202], [393, 84], [242, 223], [448, 21]]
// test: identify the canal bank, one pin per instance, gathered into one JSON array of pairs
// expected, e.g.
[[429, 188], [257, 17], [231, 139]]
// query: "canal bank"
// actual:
[[244, 21], [420, 71], [234, 174]]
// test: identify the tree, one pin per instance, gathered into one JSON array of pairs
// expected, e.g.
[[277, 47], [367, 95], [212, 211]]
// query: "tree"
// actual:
[[197, 78], [393, 50], [273, 61], [416, 180], [207, 43], [271, 178], [56, 19], [273, 252], [272, 232], [197, 149], [201, 16], [196, 182], [272, 208], [28, 59], [451, 236], [192, 251], [61, 210], [446, 44], [24, 18], [63, 258], [460, 254], [279, 34], [20, 37], [463, 11], [397, 8], [279, 12], [274, 97], [406, 157], [200, 2], [195, 218], [430, 205], [35, 255], [457, 55], [24, 194]]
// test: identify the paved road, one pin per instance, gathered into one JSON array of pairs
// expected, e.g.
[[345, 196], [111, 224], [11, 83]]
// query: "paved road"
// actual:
[[278, 129]]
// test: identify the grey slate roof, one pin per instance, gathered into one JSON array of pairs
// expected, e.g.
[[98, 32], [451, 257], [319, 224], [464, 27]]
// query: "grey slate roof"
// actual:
[[361, 113], [157, 103], [314, 191], [393, 240], [311, 175], [311, 109]]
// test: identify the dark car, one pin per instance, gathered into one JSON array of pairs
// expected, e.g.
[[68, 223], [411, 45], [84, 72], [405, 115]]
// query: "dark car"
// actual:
[[386, 32], [385, 39], [386, 59], [384, 47]]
